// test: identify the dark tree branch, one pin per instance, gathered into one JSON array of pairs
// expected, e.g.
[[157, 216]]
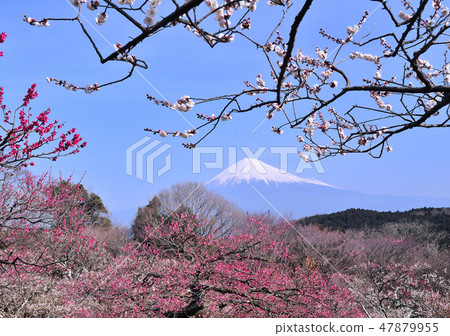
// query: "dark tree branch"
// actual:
[[129, 17], [411, 22], [150, 30], [290, 45]]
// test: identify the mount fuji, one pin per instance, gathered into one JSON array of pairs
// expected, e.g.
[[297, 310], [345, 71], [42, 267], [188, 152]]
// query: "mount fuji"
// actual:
[[258, 187], [251, 170]]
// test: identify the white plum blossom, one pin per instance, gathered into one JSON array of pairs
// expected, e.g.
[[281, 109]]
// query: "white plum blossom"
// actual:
[[321, 151], [327, 73], [277, 130], [224, 24], [380, 102], [341, 133], [311, 120], [447, 73], [77, 3], [149, 20], [187, 134], [431, 103], [152, 11], [352, 30], [225, 38], [321, 53], [308, 131], [307, 147], [260, 82], [300, 57], [278, 107], [377, 134], [229, 11], [250, 4], [280, 52], [212, 4], [131, 58], [347, 125], [43, 23], [436, 5], [404, 16], [150, 16], [220, 14], [93, 5], [101, 18], [378, 74], [366, 57], [304, 156], [226, 117], [315, 88], [91, 88], [424, 64], [325, 126], [184, 104], [163, 134], [333, 84], [126, 2], [445, 11]]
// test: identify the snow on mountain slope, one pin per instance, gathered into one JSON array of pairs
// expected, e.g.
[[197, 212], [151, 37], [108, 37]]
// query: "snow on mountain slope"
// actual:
[[253, 170]]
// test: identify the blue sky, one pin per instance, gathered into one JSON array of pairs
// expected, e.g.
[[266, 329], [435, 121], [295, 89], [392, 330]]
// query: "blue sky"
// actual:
[[114, 118]]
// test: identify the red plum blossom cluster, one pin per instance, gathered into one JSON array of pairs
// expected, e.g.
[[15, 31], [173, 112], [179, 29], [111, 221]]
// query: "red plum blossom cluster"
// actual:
[[24, 137], [2, 39]]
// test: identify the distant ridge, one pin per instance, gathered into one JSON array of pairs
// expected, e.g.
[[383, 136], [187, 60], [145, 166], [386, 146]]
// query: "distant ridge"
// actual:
[[253, 170], [361, 218]]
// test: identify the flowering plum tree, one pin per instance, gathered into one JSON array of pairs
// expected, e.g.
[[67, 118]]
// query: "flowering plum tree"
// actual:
[[397, 276], [43, 235], [180, 273], [24, 137], [397, 72], [43, 238]]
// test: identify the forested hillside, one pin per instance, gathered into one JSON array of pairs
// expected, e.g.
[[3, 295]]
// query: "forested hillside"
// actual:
[[363, 219], [423, 224]]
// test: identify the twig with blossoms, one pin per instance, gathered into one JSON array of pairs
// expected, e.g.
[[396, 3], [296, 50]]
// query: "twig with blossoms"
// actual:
[[24, 138], [302, 78], [316, 84]]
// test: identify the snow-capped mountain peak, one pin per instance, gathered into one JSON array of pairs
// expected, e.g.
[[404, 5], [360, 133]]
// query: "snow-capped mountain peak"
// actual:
[[247, 170]]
